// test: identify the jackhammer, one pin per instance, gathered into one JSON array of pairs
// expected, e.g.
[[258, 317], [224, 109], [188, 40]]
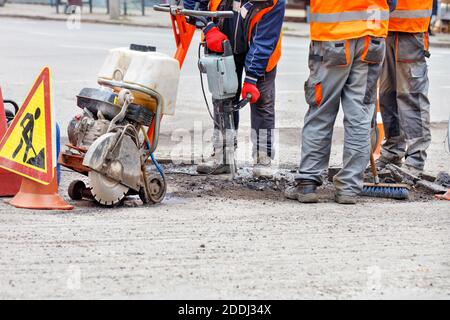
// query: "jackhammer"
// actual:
[[223, 83]]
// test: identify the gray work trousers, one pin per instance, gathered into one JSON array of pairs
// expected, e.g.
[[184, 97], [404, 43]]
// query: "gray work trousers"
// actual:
[[262, 116], [404, 104], [341, 72]]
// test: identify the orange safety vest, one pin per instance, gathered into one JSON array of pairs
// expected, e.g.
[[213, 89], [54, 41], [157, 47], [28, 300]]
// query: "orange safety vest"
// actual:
[[411, 16], [333, 20], [276, 55]]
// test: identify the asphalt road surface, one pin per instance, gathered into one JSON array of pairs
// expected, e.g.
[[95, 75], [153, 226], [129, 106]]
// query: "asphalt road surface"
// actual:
[[210, 239]]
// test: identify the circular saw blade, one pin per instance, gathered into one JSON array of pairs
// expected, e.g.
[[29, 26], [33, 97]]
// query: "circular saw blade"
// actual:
[[105, 190]]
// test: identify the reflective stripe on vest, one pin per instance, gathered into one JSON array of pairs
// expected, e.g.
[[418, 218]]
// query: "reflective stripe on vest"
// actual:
[[411, 16], [349, 16], [333, 20]]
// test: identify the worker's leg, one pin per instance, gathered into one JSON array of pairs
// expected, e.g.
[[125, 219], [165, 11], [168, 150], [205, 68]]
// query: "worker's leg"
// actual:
[[329, 64], [263, 116], [263, 125], [358, 104], [216, 162], [394, 146], [412, 97]]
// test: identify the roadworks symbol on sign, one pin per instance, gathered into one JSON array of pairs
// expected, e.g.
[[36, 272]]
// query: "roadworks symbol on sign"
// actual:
[[27, 147]]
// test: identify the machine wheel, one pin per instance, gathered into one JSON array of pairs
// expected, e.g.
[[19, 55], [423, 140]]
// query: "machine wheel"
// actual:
[[157, 188], [76, 189]]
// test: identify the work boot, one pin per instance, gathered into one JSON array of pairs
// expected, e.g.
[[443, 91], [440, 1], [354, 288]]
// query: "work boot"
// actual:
[[215, 164], [262, 168], [305, 193], [344, 199]]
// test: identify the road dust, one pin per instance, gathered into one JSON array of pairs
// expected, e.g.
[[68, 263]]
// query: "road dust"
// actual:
[[215, 238]]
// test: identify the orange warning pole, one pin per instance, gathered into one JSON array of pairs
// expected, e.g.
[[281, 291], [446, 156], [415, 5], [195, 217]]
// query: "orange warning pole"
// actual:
[[183, 33]]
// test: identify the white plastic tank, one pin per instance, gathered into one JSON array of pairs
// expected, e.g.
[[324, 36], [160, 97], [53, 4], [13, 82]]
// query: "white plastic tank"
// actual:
[[152, 70]]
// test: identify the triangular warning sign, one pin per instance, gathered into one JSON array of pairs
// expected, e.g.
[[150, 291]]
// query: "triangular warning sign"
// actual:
[[27, 146]]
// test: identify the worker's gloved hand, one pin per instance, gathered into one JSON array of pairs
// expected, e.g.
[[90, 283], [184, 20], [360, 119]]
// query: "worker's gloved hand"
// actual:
[[214, 39], [250, 89]]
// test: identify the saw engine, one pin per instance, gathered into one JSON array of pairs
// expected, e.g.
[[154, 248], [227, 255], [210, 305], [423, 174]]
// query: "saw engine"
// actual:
[[113, 140]]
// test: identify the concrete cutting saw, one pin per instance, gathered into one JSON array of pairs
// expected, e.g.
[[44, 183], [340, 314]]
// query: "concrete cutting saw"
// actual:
[[114, 139]]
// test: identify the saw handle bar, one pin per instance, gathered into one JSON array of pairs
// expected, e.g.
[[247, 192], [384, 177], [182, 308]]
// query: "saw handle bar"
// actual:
[[177, 10]]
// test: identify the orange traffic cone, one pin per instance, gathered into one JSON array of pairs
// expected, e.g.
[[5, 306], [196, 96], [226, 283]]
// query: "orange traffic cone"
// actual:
[[9, 183], [33, 195]]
